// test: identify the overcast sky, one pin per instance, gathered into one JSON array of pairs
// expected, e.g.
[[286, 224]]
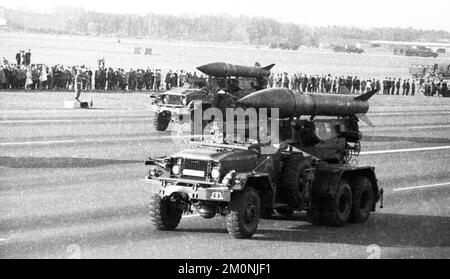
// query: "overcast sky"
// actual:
[[422, 14]]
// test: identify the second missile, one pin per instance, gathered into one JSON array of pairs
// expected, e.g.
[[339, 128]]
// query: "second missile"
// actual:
[[221, 69], [295, 104]]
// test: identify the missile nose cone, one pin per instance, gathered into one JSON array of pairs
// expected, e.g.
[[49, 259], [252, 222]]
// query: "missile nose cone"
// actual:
[[203, 68], [213, 69], [279, 98]]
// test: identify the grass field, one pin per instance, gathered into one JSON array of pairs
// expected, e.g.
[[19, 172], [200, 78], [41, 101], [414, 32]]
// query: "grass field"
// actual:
[[76, 50]]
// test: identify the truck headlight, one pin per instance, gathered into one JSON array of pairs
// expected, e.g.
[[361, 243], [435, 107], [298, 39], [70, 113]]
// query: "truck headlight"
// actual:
[[228, 178], [215, 173], [154, 172], [176, 169]]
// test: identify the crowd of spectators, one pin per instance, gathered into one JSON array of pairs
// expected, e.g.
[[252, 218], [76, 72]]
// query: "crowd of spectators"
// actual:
[[338, 84], [27, 76], [61, 78]]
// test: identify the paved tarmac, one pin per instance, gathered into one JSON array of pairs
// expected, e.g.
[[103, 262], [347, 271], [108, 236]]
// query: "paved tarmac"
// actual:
[[71, 185]]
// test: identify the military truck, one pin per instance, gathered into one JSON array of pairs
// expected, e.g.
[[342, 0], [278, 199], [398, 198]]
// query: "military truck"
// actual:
[[177, 104], [348, 49], [174, 104], [418, 51], [310, 169]]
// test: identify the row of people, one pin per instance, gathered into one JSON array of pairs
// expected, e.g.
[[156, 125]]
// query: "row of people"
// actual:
[[60, 77]]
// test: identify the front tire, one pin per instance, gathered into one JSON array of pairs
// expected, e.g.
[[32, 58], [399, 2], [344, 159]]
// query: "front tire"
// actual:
[[162, 120], [164, 213], [336, 211], [363, 199], [293, 181], [243, 218]]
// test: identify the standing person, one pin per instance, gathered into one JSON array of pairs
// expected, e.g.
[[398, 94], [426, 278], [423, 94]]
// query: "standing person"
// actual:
[[397, 85], [2, 78], [78, 84], [152, 80], [393, 84], [18, 58], [408, 86], [363, 86], [158, 79], [35, 74], [22, 57], [28, 58], [413, 87], [286, 81], [168, 80], [378, 86], [43, 78], [404, 87], [28, 80]]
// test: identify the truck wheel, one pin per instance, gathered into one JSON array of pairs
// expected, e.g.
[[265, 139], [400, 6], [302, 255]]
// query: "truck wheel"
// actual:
[[336, 211], [285, 212], [164, 213], [162, 120], [242, 221], [293, 181], [363, 198]]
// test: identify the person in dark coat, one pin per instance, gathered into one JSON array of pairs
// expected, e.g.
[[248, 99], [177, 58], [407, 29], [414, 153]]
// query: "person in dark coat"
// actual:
[[397, 85], [413, 87], [408, 87], [168, 80], [18, 58], [28, 57]]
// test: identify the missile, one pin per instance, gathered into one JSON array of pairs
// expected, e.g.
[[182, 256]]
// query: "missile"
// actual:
[[295, 104], [221, 69]]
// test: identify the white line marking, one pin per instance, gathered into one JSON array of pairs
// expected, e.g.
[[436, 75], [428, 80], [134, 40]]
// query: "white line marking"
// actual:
[[404, 127], [423, 186], [98, 140], [404, 150], [191, 216], [36, 142]]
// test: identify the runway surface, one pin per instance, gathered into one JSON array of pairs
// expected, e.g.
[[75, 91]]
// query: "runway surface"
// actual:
[[71, 185]]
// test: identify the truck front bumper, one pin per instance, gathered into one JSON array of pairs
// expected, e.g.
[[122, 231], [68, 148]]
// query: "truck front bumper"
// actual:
[[195, 190], [174, 110]]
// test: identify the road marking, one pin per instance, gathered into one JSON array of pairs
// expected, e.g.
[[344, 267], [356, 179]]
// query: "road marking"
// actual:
[[37, 142], [423, 186], [404, 150], [403, 127], [191, 216]]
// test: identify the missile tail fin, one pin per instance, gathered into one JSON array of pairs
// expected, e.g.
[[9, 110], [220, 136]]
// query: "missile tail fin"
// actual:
[[366, 96], [268, 67]]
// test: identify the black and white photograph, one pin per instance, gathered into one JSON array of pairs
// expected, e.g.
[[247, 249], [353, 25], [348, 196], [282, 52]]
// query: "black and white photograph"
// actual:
[[236, 130]]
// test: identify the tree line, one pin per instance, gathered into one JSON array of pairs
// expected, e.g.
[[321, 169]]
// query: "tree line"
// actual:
[[224, 28]]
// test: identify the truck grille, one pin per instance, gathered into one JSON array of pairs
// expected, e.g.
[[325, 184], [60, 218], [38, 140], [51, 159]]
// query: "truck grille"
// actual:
[[198, 165], [174, 99]]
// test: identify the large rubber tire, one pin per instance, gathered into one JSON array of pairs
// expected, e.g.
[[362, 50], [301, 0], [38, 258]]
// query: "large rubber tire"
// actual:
[[292, 181], [363, 199], [336, 211], [162, 120], [243, 218], [164, 213]]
